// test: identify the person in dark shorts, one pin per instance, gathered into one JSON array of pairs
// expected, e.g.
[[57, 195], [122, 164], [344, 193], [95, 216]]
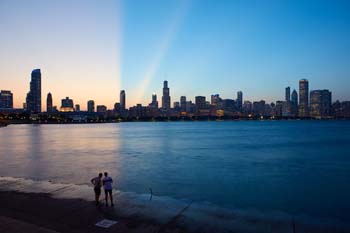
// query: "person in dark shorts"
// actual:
[[107, 185], [97, 182]]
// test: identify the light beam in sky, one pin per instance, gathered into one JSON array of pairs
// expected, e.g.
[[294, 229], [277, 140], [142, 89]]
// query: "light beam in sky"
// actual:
[[169, 35], [119, 41]]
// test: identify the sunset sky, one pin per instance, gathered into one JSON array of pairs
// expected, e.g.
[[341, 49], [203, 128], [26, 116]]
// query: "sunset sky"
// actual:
[[93, 49]]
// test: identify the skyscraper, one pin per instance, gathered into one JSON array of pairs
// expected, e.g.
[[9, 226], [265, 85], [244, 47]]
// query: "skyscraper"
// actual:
[[154, 102], [166, 97], [177, 106], [77, 107], [320, 103], [91, 106], [67, 105], [259, 108], [183, 103], [200, 102], [287, 94], [239, 100], [215, 99], [122, 100], [294, 103], [117, 108], [49, 102], [33, 100], [101, 108], [6, 99], [247, 107], [303, 98]]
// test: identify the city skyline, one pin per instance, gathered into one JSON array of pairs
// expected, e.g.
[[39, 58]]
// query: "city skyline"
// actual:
[[166, 103], [89, 50], [302, 98]]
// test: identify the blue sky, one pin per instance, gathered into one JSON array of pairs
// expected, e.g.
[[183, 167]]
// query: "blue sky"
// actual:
[[92, 49]]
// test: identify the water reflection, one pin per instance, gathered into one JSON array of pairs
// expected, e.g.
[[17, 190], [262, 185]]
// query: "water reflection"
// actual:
[[262, 165], [67, 153]]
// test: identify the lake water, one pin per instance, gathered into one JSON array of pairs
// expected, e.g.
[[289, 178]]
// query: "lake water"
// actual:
[[295, 167]]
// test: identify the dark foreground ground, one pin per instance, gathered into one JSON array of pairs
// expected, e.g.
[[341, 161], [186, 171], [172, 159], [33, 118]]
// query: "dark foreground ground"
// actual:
[[41, 213], [37, 212]]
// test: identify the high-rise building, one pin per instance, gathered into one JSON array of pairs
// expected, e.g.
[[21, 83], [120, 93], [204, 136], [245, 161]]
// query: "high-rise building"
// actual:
[[247, 107], [259, 108], [287, 94], [101, 108], [166, 96], [320, 103], [177, 106], [77, 107], [227, 105], [294, 103], [279, 108], [183, 103], [200, 102], [345, 106], [122, 100], [33, 100], [294, 98], [67, 105], [117, 107], [239, 100], [6, 99], [91, 106], [49, 103], [215, 99], [154, 102], [190, 107], [303, 98], [287, 109]]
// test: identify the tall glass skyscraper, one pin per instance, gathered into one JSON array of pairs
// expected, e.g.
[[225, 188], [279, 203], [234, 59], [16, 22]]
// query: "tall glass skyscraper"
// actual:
[[287, 94], [122, 100], [6, 99], [320, 103], [154, 103], [303, 98], [166, 96], [294, 103], [183, 103], [91, 106], [49, 103], [239, 100], [33, 100]]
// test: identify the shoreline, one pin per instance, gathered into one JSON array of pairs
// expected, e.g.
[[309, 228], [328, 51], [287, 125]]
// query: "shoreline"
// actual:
[[54, 205], [3, 124]]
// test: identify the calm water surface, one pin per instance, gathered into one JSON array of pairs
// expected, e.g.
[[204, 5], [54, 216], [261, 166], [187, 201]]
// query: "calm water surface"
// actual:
[[298, 167]]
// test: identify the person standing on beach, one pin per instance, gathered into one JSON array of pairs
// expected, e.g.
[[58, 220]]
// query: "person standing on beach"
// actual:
[[107, 185], [97, 182]]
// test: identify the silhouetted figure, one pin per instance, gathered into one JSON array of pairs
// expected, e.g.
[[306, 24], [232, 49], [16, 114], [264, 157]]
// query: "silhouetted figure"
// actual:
[[107, 185], [97, 182]]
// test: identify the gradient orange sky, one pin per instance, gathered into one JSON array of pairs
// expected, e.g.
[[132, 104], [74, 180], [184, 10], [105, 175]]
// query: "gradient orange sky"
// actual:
[[92, 49]]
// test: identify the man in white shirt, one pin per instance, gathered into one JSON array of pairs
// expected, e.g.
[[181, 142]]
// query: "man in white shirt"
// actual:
[[107, 185]]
